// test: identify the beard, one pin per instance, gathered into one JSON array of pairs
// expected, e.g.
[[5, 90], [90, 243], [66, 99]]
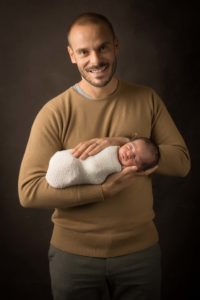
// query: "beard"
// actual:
[[102, 82]]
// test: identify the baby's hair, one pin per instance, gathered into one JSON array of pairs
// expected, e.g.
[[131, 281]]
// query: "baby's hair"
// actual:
[[154, 149]]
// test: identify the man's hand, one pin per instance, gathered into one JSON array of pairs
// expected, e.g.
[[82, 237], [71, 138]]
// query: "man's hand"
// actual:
[[117, 182], [93, 146]]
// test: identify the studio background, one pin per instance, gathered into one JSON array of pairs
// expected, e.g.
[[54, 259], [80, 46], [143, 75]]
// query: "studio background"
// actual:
[[158, 48]]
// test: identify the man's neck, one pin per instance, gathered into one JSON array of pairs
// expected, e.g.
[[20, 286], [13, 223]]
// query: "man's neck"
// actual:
[[99, 92]]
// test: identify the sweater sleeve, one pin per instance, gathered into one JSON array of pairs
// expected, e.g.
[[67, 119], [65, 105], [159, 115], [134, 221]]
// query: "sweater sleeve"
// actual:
[[174, 155], [34, 191]]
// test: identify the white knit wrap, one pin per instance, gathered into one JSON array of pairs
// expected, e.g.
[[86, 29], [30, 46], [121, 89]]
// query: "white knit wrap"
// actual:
[[66, 170]]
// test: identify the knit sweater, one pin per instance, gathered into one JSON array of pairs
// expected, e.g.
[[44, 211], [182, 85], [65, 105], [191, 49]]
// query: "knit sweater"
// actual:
[[86, 222], [66, 170]]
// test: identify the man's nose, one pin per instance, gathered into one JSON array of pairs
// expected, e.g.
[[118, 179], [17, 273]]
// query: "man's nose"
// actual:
[[94, 58]]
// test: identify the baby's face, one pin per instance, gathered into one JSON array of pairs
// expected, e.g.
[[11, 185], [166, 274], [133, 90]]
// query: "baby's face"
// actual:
[[133, 154]]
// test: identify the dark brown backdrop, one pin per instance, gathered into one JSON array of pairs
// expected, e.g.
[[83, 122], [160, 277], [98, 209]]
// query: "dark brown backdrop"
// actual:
[[158, 48]]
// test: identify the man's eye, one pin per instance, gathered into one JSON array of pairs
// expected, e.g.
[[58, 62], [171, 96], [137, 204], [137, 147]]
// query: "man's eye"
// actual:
[[82, 52], [103, 48]]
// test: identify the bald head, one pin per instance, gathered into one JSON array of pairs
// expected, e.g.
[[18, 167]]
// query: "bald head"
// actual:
[[90, 18]]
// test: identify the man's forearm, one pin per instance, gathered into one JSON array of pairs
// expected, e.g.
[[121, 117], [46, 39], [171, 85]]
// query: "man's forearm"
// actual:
[[37, 193], [174, 161]]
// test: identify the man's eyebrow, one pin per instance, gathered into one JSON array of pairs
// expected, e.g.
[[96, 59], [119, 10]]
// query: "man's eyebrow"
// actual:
[[105, 43]]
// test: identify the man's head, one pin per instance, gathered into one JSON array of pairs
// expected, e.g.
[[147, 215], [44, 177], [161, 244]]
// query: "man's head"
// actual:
[[92, 45], [141, 152], [90, 18]]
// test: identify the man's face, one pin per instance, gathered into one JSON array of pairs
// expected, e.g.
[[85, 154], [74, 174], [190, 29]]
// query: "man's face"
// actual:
[[94, 50]]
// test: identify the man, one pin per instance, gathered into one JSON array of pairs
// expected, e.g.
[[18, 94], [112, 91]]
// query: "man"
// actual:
[[104, 237]]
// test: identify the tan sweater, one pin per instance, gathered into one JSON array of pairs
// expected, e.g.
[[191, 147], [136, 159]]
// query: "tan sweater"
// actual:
[[84, 222]]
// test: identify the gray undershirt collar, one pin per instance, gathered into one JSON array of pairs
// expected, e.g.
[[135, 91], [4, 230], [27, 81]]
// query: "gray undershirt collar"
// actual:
[[78, 89]]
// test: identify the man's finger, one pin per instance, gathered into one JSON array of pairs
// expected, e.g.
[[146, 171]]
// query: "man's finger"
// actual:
[[97, 149], [128, 172], [131, 169], [80, 148], [97, 146], [89, 150], [147, 172]]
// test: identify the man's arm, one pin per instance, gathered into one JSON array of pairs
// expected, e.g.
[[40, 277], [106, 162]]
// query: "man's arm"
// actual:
[[174, 155], [174, 161], [34, 191]]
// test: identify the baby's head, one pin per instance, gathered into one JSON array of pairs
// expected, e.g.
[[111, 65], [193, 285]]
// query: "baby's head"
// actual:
[[141, 152]]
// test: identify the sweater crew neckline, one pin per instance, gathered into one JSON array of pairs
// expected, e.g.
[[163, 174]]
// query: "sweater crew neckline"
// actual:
[[76, 88]]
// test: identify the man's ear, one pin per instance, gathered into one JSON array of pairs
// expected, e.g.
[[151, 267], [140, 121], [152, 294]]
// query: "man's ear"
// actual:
[[71, 54]]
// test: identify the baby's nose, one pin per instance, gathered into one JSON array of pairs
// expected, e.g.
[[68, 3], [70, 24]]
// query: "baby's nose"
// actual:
[[129, 154]]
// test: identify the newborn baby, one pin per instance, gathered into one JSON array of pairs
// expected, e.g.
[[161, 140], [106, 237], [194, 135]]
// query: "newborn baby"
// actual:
[[66, 170]]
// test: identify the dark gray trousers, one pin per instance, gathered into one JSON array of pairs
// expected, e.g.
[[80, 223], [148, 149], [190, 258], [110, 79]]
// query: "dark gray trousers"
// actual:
[[135, 276]]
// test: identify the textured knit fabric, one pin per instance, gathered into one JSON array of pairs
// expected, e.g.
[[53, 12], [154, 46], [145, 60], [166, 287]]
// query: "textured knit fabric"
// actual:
[[85, 222], [66, 170]]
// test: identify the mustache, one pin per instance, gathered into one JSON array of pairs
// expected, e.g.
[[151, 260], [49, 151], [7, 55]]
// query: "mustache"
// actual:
[[97, 67]]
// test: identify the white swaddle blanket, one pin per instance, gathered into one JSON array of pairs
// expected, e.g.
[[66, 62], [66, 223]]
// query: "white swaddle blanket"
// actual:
[[66, 170]]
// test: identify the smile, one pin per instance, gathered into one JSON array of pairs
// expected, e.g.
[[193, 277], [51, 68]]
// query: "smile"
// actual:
[[98, 69]]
